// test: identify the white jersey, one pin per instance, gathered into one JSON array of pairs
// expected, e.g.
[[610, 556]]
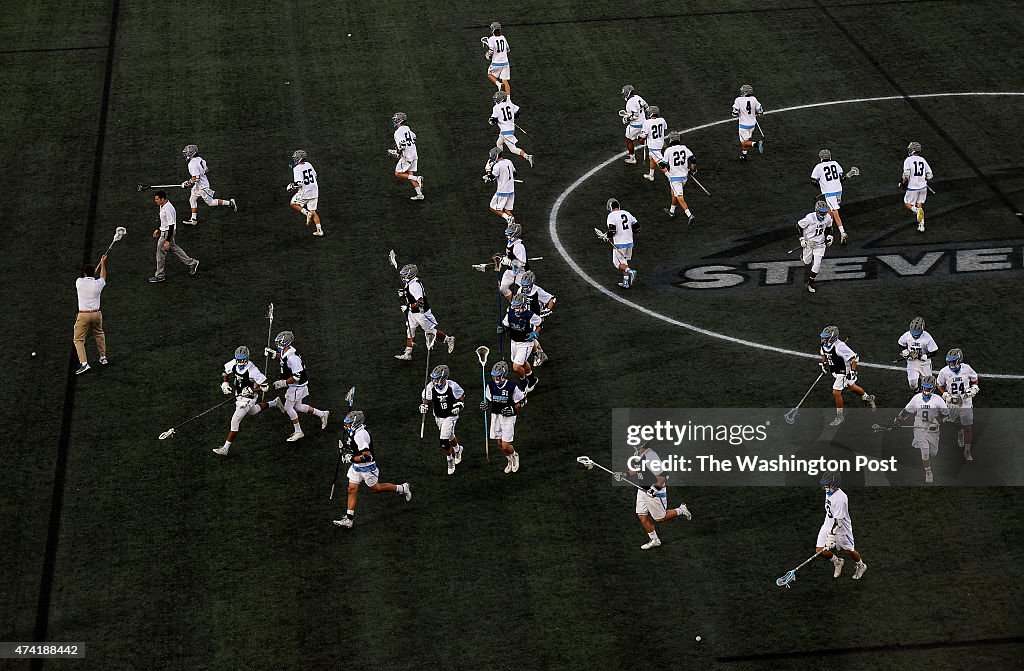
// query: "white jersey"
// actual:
[[837, 514], [747, 108], [921, 347], [542, 298], [829, 175], [506, 173], [620, 228], [498, 46], [958, 383], [293, 361], [304, 175], [926, 412], [655, 130], [678, 157], [405, 143], [249, 370], [813, 230], [917, 172], [637, 108], [197, 168], [505, 114], [362, 441]]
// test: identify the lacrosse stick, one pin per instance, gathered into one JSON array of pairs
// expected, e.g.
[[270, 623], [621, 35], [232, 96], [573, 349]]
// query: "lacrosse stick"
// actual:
[[523, 131], [878, 428], [174, 429], [853, 171], [119, 233], [694, 180], [604, 236], [791, 575], [482, 267], [392, 259], [351, 398], [930, 189], [759, 128], [481, 354], [143, 187], [266, 357], [791, 415], [590, 463], [429, 338]]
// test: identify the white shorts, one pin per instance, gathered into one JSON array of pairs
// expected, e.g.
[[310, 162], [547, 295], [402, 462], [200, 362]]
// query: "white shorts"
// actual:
[[833, 201], [961, 415], [241, 412], [508, 277], [633, 131], [503, 428], [502, 72], [308, 203], [926, 440], [745, 133], [812, 257], [917, 369], [357, 474], [677, 184], [423, 320], [655, 153], [622, 256], [915, 197], [521, 351], [509, 141], [406, 166], [503, 202], [655, 506], [446, 425], [843, 540], [841, 382], [204, 194], [295, 394]]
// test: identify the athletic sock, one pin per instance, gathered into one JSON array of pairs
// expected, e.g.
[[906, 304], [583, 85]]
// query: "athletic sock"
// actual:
[[408, 350], [419, 191], [653, 535], [687, 212], [305, 212], [318, 413], [350, 513], [400, 489], [227, 444], [839, 412], [672, 208]]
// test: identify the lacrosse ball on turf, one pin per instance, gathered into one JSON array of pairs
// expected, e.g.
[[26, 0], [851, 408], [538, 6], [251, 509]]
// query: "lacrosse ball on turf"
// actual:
[[33, 355], [698, 638]]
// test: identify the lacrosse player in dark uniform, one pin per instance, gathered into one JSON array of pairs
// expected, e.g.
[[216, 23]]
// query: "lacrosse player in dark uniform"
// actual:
[[242, 378], [523, 327], [505, 400], [652, 502], [447, 399], [514, 260], [357, 450], [539, 302], [418, 313], [841, 361]]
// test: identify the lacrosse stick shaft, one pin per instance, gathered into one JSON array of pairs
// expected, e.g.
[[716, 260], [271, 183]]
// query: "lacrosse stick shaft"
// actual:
[[612, 473], [699, 185], [351, 398], [758, 127], [809, 391], [483, 387], [426, 378], [266, 357], [204, 412], [523, 131]]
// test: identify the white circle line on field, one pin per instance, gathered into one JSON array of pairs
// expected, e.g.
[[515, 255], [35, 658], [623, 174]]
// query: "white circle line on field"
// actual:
[[553, 232]]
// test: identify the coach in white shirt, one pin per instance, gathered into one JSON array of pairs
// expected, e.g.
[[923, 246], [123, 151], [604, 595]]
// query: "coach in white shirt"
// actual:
[[165, 242], [89, 315]]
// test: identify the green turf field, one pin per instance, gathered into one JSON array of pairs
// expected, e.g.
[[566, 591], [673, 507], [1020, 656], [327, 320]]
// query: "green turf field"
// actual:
[[161, 555]]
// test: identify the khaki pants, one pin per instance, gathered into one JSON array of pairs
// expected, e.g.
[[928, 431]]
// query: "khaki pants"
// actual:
[[83, 323], [161, 255]]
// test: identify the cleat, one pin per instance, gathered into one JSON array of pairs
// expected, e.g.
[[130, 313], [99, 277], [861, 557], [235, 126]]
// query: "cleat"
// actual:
[[631, 160], [539, 359], [418, 196], [810, 288], [189, 222], [222, 451], [685, 512], [194, 268], [405, 356], [838, 563], [81, 369], [319, 232], [323, 420], [959, 434], [743, 157], [859, 569], [450, 342], [869, 399], [156, 279], [530, 387], [529, 159], [837, 421], [451, 467], [668, 211], [104, 362], [760, 146], [508, 466], [920, 227], [624, 284], [234, 205], [408, 491], [297, 435], [457, 450], [920, 215], [515, 462], [309, 217], [967, 454], [631, 277], [345, 522], [928, 476], [649, 178], [691, 221], [651, 544]]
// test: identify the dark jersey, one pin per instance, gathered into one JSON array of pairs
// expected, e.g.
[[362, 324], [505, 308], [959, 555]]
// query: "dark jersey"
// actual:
[[242, 379], [367, 446], [510, 255], [502, 395], [291, 366], [519, 325], [442, 402]]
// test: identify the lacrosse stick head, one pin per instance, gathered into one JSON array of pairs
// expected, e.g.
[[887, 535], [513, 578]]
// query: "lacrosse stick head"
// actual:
[[790, 416], [270, 312], [120, 232], [853, 171], [586, 461], [497, 261], [166, 434], [392, 259], [786, 579], [481, 354], [482, 267], [430, 338], [141, 187], [350, 397]]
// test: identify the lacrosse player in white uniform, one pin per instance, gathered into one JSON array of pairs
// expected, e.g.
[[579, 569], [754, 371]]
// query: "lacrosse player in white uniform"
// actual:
[[200, 184], [653, 133], [828, 176], [840, 361], [498, 71], [242, 378], [446, 398], [405, 152], [418, 313], [523, 327], [501, 171], [746, 109], [836, 531], [306, 188], [815, 236], [678, 162], [540, 303], [958, 384], [916, 173], [918, 349], [633, 117], [505, 400], [514, 261], [620, 225], [357, 450], [504, 114], [651, 502], [295, 378], [929, 411]]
